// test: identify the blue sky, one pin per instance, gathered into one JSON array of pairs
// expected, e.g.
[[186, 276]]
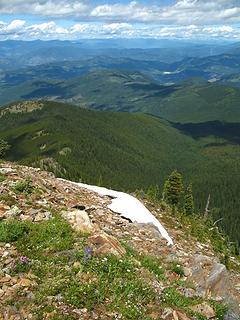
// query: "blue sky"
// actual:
[[77, 19]]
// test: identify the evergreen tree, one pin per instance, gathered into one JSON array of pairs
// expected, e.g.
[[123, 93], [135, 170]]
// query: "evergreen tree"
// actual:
[[173, 189], [153, 193], [189, 201], [3, 147]]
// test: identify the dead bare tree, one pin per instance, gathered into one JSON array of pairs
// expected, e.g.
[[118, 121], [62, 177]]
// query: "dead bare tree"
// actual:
[[207, 206]]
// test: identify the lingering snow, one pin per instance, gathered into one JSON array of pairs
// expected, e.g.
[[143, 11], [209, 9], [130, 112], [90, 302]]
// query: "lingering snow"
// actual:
[[129, 207]]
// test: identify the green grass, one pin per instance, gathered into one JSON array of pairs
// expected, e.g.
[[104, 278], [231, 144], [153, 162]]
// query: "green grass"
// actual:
[[55, 255], [177, 268], [24, 186], [49, 248], [154, 265], [12, 230], [46, 238], [173, 298]]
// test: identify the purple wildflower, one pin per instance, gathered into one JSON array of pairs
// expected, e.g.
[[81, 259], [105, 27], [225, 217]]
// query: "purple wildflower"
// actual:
[[24, 260], [88, 251]]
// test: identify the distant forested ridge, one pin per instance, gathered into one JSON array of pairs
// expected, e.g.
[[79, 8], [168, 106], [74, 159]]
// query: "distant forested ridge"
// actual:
[[129, 151]]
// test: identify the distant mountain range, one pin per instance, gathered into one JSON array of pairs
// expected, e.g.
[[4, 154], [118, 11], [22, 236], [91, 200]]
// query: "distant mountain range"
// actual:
[[16, 54], [70, 71], [194, 100]]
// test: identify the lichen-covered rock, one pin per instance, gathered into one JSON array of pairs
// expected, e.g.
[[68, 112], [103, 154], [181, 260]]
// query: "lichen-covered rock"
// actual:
[[79, 220], [13, 212], [211, 277], [170, 314], [106, 244], [41, 216], [231, 315], [204, 309]]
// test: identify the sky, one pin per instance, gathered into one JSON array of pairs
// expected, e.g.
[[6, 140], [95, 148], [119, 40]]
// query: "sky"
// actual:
[[78, 19]]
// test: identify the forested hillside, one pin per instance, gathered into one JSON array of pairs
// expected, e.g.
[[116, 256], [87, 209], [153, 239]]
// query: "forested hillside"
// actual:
[[128, 151], [194, 100]]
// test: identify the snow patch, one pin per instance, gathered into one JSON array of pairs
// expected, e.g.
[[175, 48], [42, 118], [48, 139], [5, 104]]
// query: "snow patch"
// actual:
[[128, 207]]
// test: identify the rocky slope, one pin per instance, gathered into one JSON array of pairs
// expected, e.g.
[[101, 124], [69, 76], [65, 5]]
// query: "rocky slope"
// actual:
[[65, 255]]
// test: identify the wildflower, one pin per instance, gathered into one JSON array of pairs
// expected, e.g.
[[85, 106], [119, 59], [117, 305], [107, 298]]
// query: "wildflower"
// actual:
[[88, 251], [23, 260]]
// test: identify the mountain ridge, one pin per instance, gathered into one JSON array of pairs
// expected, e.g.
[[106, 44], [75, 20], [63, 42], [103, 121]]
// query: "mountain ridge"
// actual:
[[129, 151]]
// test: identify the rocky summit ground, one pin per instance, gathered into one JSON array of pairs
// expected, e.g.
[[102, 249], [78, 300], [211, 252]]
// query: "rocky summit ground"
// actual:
[[65, 255]]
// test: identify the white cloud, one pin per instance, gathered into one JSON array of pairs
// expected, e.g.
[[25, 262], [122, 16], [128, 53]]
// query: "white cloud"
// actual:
[[19, 29], [101, 30], [2, 24], [48, 8], [185, 19], [47, 27], [61, 8], [132, 11], [15, 25], [182, 12]]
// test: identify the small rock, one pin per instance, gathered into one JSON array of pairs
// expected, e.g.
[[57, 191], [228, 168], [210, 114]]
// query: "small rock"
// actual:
[[79, 220], [24, 217], [59, 297], [41, 216], [6, 170], [13, 212], [3, 209], [5, 254], [6, 270], [167, 314], [77, 265], [187, 271], [42, 202], [187, 292], [84, 310], [5, 279], [25, 283], [31, 296], [182, 316], [204, 309]]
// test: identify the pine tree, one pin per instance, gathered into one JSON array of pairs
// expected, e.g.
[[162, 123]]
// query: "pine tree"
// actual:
[[153, 193], [173, 189], [188, 201], [3, 147]]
